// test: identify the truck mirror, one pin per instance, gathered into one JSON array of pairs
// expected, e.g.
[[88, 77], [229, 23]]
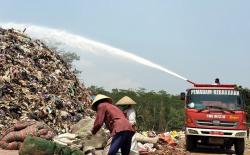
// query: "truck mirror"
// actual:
[[183, 95]]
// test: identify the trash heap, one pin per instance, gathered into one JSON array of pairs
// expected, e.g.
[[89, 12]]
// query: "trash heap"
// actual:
[[171, 143], [36, 84]]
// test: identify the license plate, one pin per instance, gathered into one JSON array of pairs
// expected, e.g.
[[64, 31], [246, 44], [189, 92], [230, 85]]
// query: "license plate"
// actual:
[[214, 140]]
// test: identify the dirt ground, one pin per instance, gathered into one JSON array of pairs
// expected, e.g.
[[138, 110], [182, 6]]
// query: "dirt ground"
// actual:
[[216, 151], [7, 152], [199, 151]]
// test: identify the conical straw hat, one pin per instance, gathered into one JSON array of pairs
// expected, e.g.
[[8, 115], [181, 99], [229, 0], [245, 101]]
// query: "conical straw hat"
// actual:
[[98, 98], [125, 101]]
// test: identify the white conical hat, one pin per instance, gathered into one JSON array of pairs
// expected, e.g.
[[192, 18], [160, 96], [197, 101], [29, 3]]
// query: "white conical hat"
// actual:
[[125, 101], [98, 98]]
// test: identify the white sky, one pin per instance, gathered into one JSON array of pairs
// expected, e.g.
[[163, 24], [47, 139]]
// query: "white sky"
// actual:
[[200, 40]]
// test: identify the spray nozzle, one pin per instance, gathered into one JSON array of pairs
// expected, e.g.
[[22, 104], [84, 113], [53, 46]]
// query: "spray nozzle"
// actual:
[[190, 82]]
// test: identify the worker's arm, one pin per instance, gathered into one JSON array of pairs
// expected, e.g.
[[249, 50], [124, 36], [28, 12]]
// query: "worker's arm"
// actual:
[[99, 120]]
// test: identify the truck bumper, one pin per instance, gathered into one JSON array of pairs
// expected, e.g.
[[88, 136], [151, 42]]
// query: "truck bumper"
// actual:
[[217, 132]]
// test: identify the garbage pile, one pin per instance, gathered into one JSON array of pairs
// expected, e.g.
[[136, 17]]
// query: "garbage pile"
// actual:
[[171, 143], [150, 143], [79, 138], [36, 84]]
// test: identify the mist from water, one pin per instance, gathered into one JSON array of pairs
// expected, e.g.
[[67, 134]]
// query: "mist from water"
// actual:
[[71, 41]]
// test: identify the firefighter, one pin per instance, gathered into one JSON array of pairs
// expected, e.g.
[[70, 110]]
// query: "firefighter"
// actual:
[[114, 119], [217, 81]]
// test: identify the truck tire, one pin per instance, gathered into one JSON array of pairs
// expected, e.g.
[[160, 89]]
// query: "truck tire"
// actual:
[[190, 143], [239, 146]]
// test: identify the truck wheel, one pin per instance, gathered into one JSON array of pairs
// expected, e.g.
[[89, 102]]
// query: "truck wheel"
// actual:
[[239, 146], [228, 147], [190, 143]]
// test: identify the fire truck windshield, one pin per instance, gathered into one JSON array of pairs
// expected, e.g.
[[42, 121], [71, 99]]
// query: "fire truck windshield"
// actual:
[[214, 99]]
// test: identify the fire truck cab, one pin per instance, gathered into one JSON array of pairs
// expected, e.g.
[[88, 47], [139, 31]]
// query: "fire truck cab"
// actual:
[[215, 115]]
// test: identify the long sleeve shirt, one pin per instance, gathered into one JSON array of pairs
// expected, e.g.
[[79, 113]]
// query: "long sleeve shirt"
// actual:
[[113, 118], [131, 116]]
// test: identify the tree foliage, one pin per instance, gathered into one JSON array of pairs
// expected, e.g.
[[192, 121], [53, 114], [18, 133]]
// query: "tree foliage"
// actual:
[[68, 58], [158, 111], [246, 94]]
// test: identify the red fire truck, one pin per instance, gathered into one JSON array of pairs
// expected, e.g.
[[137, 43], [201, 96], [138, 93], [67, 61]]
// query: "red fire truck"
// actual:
[[215, 115]]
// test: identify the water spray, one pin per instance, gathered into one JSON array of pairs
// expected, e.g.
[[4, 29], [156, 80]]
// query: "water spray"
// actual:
[[69, 40]]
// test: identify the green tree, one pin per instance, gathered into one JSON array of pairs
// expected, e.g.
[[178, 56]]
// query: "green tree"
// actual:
[[158, 111], [246, 94], [68, 58]]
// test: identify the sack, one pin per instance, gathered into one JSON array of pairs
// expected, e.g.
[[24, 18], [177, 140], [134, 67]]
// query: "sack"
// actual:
[[84, 126], [13, 137], [18, 126], [10, 146], [39, 146], [144, 139]]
